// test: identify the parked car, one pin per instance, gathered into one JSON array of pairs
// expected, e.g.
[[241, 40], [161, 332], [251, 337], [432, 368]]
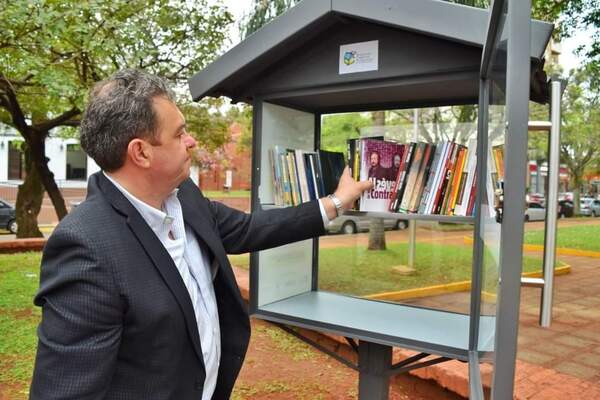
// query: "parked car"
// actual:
[[8, 216], [535, 212], [349, 224], [590, 207]]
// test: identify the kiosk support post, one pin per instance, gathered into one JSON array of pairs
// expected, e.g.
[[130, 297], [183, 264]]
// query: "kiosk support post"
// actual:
[[552, 205], [412, 224], [374, 363]]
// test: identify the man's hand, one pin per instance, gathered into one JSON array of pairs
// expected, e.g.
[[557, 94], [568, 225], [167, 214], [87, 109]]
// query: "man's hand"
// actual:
[[348, 191]]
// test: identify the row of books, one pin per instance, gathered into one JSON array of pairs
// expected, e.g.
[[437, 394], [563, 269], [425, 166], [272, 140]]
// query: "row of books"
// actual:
[[300, 176], [421, 178]]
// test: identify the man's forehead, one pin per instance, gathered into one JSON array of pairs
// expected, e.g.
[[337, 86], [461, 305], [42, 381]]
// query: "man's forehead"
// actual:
[[166, 108]]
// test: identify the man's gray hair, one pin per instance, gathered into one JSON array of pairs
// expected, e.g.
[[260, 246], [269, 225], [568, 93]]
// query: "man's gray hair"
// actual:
[[119, 110]]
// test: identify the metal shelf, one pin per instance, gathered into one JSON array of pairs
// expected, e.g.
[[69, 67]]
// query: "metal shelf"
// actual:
[[422, 329]]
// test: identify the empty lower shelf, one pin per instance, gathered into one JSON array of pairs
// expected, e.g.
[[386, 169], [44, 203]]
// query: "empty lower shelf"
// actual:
[[434, 331]]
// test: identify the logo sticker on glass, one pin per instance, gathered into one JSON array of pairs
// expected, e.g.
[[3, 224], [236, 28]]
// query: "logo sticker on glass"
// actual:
[[359, 57]]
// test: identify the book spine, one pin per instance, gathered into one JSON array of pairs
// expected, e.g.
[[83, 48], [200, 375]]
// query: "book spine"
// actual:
[[440, 173], [310, 176], [287, 185], [402, 172], [274, 178], [301, 169], [412, 177], [319, 173], [394, 196], [430, 178], [421, 178], [458, 208], [457, 175], [472, 161], [296, 199]]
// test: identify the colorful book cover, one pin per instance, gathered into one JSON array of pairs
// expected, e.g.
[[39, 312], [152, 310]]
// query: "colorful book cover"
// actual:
[[379, 161]]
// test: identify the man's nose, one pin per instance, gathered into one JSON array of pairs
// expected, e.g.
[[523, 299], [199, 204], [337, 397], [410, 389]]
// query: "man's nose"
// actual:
[[190, 142]]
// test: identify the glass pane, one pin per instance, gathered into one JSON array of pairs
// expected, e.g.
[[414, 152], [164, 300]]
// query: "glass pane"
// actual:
[[491, 208], [436, 272], [284, 271]]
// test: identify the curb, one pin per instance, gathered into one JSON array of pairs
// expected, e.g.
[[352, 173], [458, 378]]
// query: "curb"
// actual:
[[22, 245], [453, 287], [563, 251]]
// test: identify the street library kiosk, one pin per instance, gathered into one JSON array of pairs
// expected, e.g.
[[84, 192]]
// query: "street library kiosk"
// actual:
[[339, 56]]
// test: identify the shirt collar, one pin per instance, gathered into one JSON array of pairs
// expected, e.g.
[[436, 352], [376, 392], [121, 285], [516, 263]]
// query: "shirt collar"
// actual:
[[158, 220]]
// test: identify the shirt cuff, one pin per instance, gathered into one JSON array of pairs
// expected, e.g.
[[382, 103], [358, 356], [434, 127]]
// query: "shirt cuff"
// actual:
[[323, 214]]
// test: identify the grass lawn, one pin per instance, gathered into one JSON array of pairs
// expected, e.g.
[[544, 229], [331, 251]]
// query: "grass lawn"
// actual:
[[581, 237], [358, 271], [19, 281]]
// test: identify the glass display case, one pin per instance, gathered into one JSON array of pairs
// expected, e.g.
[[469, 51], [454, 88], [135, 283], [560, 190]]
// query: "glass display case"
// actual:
[[295, 72]]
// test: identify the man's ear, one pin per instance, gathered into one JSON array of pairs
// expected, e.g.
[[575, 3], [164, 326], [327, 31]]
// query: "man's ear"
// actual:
[[139, 152]]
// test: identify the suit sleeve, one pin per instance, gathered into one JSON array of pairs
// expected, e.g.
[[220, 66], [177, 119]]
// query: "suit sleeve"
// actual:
[[241, 232], [81, 325]]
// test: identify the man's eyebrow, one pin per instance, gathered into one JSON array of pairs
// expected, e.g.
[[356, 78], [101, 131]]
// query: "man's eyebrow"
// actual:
[[182, 126]]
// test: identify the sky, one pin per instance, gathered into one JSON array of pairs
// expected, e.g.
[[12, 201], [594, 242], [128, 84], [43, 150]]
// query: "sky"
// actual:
[[568, 58]]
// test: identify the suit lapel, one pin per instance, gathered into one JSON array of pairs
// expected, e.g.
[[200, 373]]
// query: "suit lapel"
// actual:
[[202, 226], [158, 254]]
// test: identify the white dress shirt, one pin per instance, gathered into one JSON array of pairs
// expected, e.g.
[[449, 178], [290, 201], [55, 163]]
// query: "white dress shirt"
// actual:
[[194, 267]]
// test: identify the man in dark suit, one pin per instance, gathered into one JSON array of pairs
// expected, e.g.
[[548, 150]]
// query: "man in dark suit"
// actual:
[[138, 298]]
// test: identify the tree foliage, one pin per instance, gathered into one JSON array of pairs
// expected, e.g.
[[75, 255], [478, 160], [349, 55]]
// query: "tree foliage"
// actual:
[[580, 135], [52, 52]]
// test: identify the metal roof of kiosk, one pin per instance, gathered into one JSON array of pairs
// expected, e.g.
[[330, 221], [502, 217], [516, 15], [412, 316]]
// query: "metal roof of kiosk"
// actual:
[[423, 45]]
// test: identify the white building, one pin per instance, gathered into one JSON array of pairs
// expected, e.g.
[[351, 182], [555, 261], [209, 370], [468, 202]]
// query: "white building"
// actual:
[[70, 165], [68, 162]]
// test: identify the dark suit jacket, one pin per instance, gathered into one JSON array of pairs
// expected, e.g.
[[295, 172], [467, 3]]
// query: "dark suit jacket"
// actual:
[[117, 320]]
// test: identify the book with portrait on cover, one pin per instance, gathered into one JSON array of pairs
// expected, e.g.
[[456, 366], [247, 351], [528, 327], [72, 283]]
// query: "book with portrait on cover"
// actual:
[[380, 162]]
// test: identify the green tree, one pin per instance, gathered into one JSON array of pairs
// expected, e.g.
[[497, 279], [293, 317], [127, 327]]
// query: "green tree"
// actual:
[[51, 53], [580, 141], [337, 128]]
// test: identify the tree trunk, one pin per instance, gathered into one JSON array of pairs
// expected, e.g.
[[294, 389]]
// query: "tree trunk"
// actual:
[[38, 156], [376, 234], [376, 229], [577, 194], [29, 201]]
